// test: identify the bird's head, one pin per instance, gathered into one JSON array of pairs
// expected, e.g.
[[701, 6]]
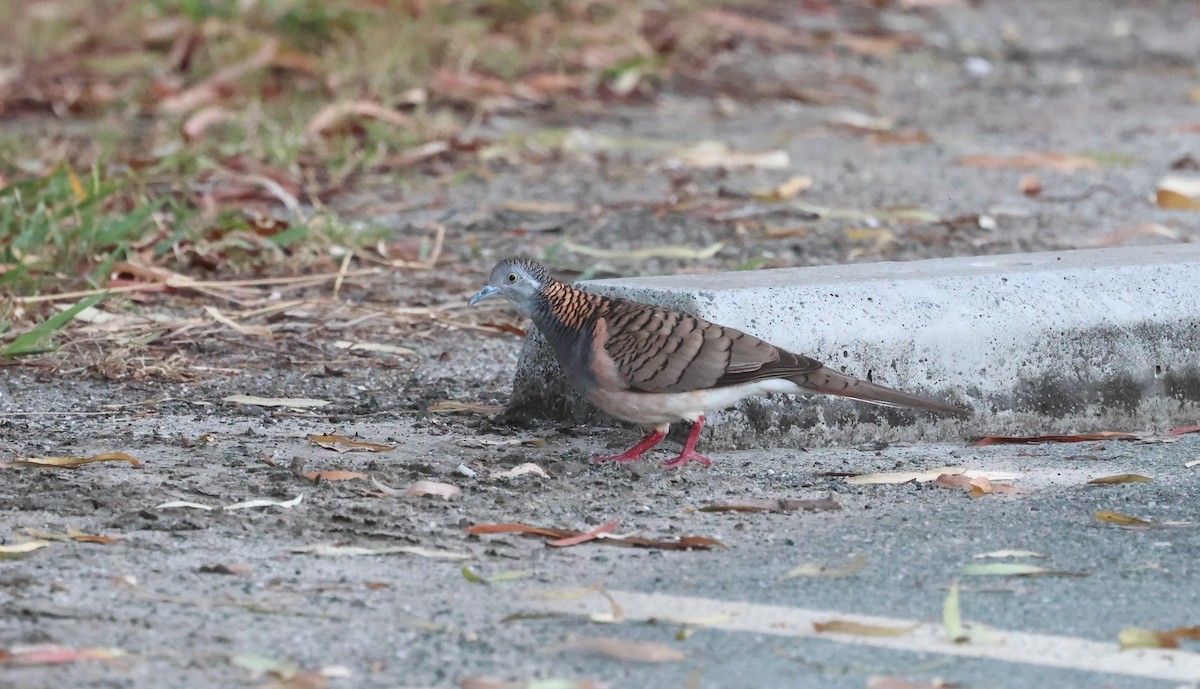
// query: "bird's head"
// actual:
[[518, 280]]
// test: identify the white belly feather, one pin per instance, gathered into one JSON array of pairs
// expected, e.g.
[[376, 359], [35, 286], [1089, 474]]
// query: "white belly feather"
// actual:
[[651, 408]]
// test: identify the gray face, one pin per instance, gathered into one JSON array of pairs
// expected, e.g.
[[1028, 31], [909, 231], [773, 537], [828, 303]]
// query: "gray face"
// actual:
[[513, 280]]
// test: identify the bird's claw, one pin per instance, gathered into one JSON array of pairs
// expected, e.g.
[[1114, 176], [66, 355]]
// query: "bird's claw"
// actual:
[[685, 457]]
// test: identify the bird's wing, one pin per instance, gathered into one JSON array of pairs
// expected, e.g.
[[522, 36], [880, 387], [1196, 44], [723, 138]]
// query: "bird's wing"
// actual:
[[659, 350]]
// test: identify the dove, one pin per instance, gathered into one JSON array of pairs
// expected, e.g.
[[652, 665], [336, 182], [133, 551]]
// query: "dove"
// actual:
[[654, 366]]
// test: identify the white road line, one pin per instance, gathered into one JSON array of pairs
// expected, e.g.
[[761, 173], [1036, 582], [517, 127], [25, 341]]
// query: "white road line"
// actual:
[[1011, 647]]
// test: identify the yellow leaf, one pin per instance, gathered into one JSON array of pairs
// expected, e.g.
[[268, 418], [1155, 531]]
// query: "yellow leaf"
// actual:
[[20, 550], [848, 627], [76, 186], [1119, 518], [1120, 478], [814, 570]]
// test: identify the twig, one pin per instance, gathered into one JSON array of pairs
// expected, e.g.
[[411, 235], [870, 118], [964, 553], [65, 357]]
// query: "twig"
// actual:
[[341, 275]]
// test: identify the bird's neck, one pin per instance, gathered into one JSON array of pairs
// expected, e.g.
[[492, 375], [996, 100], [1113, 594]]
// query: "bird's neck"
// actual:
[[565, 309]]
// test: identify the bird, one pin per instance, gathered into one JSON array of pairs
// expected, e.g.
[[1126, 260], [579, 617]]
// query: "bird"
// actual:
[[655, 366]]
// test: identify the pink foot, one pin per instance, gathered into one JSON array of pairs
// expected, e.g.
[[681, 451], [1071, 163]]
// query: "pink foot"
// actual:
[[636, 451], [689, 449]]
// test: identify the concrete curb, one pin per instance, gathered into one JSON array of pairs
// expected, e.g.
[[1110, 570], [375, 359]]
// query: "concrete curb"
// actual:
[[1037, 343]]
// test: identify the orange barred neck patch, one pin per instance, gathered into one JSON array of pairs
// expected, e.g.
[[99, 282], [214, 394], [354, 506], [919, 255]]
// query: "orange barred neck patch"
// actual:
[[572, 308]]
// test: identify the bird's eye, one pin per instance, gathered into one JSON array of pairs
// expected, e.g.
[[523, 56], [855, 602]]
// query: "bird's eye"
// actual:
[[512, 277]]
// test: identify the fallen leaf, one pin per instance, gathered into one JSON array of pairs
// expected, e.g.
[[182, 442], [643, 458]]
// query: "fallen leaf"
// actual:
[[788, 190], [474, 578], [333, 475], [1029, 185], [256, 330], [1046, 160], [1193, 463], [183, 503], [54, 654], [979, 486], [952, 617], [330, 550], [1134, 637], [261, 665], [289, 402], [1120, 478], [17, 551], [1008, 553], [1185, 429], [484, 682], [233, 568], [645, 253], [638, 651], [1014, 569], [1134, 523], [423, 488], [1178, 193], [892, 477], [710, 154], [858, 628], [372, 347], [202, 120], [598, 532], [814, 570], [519, 206], [826, 504], [340, 443], [452, 407], [72, 534], [890, 682], [250, 504], [1118, 237], [69, 462], [597, 536], [522, 469], [333, 115], [1076, 438]]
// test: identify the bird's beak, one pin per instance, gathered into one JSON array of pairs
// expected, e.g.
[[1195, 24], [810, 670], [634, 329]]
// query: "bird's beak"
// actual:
[[486, 292]]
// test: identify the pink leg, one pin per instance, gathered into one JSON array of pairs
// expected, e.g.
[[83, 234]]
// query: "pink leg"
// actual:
[[689, 448], [636, 451]]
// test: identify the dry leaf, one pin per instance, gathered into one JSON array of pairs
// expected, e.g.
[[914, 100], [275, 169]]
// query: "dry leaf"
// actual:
[[826, 504], [979, 486], [340, 443], [53, 654], [519, 206], [1075, 438], [892, 477], [1045, 160], [1178, 193], [597, 536], [786, 191], [522, 469], [424, 488], [952, 616], [329, 550], [289, 402], [451, 407], [200, 121], [1193, 463], [1120, 478], [848, 627], [890, 682], [639, 651], [1029, 185], [250, 504], [335, 114], [1146, 638], [333, 475], [256, 330], [814, 570], [70, 462], [710, 154], [372, 347], [1121, 236], [72, 534], [1126, 521], [1015, 569], [1185, 429], [1008, 553], [17, 551]]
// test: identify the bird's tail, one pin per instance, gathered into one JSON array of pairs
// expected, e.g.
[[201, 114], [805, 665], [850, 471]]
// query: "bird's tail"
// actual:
[[826, 380]]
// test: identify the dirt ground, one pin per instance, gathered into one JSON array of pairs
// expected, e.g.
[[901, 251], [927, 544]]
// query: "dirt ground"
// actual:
[[196, 598]]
